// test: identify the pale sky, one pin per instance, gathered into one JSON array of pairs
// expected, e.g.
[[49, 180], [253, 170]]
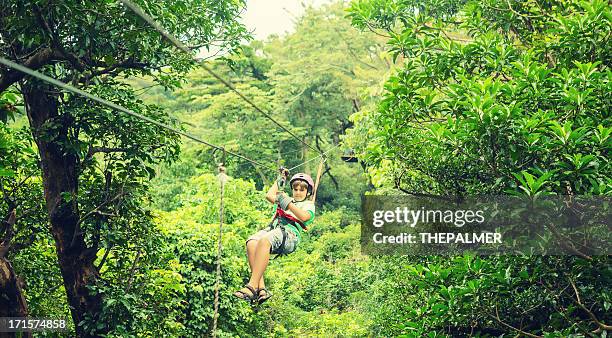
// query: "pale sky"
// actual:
[[268, 17]]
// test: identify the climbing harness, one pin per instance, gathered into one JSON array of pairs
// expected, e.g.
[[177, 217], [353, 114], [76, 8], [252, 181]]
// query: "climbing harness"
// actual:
[[281, 216]]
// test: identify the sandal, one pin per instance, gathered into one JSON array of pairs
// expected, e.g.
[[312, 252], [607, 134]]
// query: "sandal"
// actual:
[[262, 298], [245, 296]]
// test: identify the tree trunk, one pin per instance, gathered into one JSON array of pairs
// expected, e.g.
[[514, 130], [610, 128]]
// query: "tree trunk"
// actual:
[[60, 181], [12, 302]]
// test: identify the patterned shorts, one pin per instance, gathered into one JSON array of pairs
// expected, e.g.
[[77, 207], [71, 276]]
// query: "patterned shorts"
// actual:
[[275, 237]]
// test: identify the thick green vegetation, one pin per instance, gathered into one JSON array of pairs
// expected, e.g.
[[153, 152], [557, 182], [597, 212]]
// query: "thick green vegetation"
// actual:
[[492, 98], [112, 223]]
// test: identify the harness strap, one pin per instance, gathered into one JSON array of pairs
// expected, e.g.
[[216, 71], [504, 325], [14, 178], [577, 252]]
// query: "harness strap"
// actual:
[[281, 248], [275, 222], [281, 213]]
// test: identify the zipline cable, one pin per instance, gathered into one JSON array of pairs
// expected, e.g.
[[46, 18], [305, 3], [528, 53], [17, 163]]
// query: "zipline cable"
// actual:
[[316, 157], [115, 106], [147, 18]]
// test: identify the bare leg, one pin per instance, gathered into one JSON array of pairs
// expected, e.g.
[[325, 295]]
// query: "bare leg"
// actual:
[[262, 257], [250, 248]]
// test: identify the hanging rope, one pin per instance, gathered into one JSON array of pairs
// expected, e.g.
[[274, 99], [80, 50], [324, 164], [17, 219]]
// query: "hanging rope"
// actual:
[[222, 181], [319, 171]]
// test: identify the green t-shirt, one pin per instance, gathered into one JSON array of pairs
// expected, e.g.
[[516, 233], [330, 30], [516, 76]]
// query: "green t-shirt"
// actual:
[[307, 206]]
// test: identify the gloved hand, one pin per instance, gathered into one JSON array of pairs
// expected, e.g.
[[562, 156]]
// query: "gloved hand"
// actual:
[[283, 200]]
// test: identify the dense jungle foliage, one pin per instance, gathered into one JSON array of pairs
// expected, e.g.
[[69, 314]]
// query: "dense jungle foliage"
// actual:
[[112, 223]]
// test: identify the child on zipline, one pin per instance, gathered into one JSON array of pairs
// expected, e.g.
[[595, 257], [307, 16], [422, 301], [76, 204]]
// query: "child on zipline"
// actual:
[[282, 235]]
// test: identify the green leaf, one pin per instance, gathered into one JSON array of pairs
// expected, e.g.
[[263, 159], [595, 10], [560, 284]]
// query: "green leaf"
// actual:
[[4, 172]]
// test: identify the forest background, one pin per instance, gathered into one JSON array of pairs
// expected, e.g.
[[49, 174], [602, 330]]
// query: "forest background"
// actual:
[[112, 223]]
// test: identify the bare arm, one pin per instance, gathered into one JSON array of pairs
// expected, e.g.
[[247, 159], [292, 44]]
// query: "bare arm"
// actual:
[[302, 215], [271, 194]]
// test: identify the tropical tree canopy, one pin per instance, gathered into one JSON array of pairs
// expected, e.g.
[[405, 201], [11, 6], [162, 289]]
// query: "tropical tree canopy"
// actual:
[[111, 224]]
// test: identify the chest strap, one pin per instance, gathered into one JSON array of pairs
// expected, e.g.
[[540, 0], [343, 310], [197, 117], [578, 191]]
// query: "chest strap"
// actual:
[[281, 213]]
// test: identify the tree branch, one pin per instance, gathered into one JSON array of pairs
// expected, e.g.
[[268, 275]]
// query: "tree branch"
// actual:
[[414, 193], [42, 58], [103, 260], [97, 209], [398, 182], [132, 271], [94, 150], [373, 30], [56, 43], [327, 167], [560, 310], [328, 172], [566, 242], [355, 57], [512, 327], [126, 64], [577, 300]]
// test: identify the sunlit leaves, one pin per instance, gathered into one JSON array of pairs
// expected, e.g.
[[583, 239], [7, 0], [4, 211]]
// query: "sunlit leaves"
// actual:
[[531, 185]]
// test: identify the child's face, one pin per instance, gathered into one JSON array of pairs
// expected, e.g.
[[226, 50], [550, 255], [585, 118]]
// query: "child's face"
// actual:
[[299, 191]]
